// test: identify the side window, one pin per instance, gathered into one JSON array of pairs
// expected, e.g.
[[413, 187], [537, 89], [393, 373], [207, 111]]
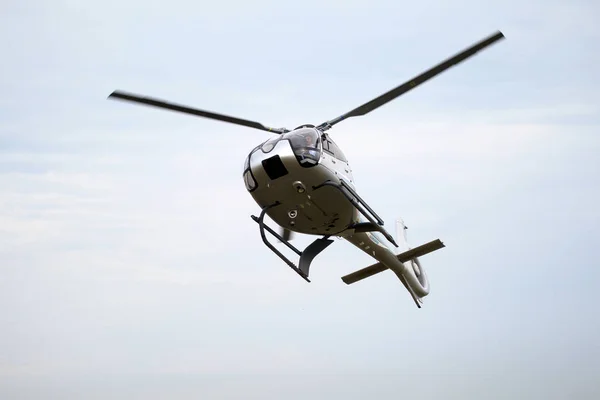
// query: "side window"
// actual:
[[248, 177], [327, 145], [338, 153], [331, 148], [249, 180]]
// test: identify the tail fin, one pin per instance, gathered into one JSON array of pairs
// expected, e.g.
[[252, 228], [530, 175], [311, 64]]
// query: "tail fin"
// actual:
[[401, 237]]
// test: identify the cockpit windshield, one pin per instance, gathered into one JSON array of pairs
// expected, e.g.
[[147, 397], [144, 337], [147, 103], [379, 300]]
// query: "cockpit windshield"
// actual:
[[306, 145]]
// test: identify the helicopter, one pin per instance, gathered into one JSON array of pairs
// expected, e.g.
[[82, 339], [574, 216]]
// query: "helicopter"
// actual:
[[303, 181]]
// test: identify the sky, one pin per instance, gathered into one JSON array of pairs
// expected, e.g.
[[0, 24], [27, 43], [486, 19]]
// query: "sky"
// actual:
[[130, 267]]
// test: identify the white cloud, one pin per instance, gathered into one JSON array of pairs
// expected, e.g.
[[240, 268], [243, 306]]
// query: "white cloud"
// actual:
[[127, 253]]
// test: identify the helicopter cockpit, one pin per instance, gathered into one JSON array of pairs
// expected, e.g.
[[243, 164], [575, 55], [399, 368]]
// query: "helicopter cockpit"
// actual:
[[306, 145]]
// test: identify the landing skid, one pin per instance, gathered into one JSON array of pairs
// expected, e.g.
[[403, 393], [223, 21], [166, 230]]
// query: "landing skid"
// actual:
[[306, 256], [375, 222]]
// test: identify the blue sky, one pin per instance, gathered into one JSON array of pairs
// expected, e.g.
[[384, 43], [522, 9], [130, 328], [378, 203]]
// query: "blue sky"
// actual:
[[129, 265]]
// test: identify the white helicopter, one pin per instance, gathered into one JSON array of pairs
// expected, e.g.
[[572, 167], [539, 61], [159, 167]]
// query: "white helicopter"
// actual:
[[303, 182]]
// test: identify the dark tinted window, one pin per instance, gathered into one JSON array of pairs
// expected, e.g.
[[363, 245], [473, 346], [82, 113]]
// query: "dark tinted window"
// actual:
[[305, 144]]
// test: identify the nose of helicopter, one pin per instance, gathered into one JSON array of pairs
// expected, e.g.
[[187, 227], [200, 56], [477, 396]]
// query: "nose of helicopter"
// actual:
[[266, 161]]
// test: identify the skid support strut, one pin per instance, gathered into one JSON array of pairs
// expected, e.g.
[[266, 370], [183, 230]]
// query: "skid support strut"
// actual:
[[306, 256], [375, 222]]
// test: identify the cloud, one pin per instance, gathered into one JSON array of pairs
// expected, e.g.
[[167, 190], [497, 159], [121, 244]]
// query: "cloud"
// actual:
[[128, 259]]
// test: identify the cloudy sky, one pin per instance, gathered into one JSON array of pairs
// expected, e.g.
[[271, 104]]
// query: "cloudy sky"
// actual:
[[130, 267]]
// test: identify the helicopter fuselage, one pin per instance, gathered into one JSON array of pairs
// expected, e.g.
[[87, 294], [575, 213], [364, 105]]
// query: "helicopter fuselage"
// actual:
[[287, 171]]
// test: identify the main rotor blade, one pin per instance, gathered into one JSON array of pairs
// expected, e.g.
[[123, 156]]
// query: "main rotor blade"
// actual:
[[117, 94], [416, 81]]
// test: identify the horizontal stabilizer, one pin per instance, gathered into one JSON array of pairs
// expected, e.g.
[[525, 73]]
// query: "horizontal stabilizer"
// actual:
[[421, 250], [402, 257]]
